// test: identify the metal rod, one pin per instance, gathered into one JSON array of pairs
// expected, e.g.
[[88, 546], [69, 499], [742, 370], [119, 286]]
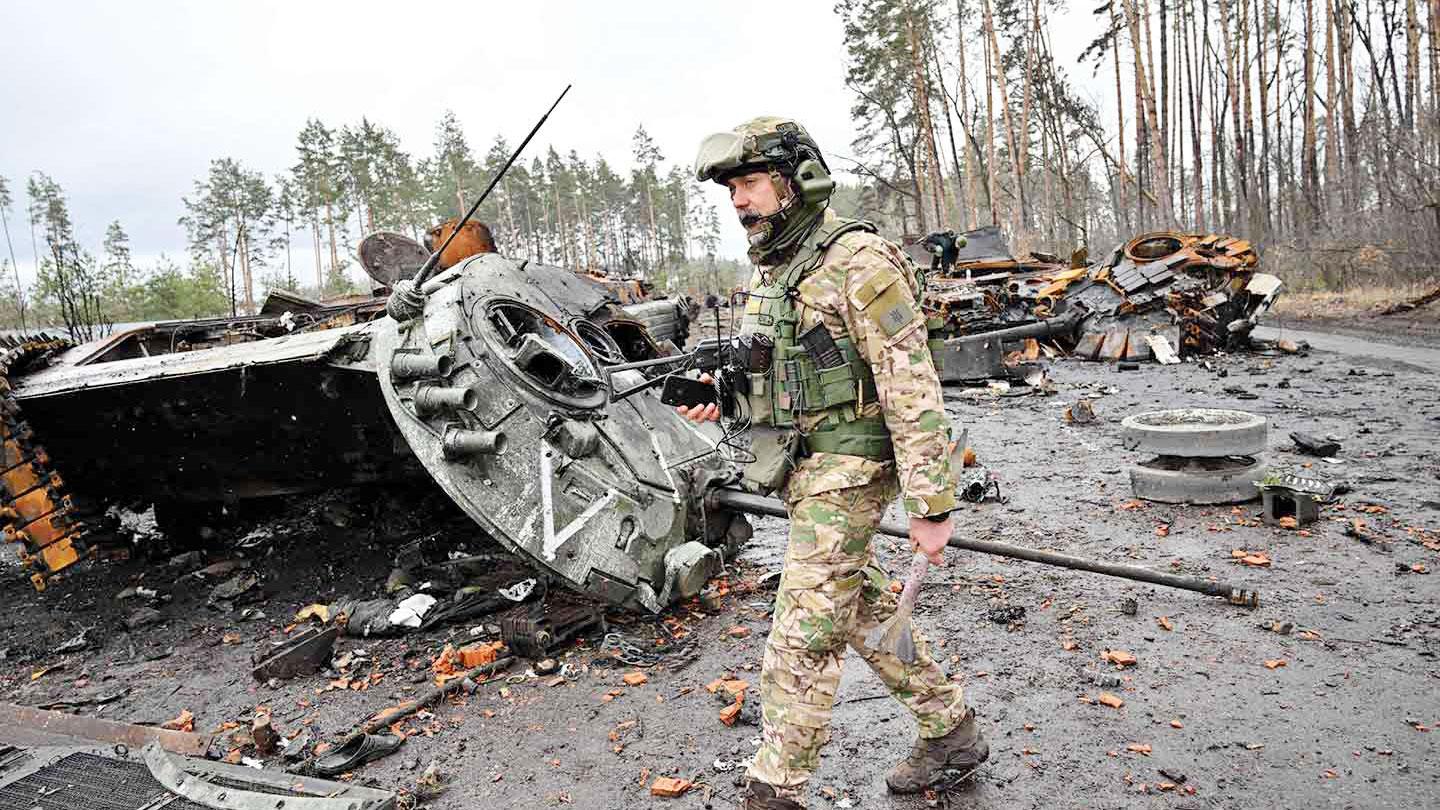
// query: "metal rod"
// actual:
[[429, 265], [637, 388], [758, 505], [654, 361]]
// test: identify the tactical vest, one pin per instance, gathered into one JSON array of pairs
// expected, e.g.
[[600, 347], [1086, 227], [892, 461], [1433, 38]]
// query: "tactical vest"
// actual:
[[794, 384]]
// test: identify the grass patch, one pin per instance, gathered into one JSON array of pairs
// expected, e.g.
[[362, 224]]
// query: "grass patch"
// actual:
[[1356, 301]]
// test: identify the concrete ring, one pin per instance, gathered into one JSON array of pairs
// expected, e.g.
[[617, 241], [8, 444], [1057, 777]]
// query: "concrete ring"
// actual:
[[1196, 433], [1171, 479]]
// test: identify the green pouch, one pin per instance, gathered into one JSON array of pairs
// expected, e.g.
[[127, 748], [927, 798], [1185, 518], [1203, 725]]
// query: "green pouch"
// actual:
[[937, 354], [775, 452]]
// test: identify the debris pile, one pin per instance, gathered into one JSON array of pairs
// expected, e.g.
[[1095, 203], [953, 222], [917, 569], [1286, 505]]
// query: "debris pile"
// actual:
[[1163, 296]]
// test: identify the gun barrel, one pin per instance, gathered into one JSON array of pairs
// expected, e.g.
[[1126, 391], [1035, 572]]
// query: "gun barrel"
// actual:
[[759, 505], [1050, 326]]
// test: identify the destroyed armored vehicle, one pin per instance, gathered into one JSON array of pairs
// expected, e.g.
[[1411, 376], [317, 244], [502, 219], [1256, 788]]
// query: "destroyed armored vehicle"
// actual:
[[1162, 295], [498, 393]]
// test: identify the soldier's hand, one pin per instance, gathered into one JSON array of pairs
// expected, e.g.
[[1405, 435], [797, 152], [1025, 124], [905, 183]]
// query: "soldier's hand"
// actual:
[[701, 413], [931, 538]]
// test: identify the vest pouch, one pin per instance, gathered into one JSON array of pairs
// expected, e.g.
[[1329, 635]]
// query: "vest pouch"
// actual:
[[761, 404], [775, 452], [837, 386], [937, 354]]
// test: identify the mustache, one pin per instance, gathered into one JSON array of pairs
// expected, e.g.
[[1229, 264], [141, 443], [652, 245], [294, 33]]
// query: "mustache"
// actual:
[[749, 217]]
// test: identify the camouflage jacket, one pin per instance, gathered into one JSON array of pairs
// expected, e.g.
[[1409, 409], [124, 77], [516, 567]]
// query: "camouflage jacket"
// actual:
[[865, 288]]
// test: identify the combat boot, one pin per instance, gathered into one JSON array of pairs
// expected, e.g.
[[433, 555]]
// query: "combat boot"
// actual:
[[941, 763], [760, 796]]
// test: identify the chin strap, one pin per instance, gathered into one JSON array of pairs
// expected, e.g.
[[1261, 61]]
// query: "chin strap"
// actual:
[[781, 232]]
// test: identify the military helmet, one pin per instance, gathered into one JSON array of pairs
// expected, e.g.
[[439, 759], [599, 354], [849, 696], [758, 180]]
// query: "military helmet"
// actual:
[[760, 144]]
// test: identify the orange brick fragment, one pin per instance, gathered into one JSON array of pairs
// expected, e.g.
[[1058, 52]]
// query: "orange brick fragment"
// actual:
[[738, 631], [730, 714], [480, 654], [1275, 663], [1119, 658], [734, 686], [635, 678], [669, 787], [1111, 700], [185, 721]]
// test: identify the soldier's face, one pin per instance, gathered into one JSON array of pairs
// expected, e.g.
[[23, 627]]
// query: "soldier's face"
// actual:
[[753, 196]]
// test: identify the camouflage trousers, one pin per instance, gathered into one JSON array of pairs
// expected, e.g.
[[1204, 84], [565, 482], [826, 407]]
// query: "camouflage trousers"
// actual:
[[832, 593]]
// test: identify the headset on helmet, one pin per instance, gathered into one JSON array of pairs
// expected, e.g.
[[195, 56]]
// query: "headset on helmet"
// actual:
[[783, 148]]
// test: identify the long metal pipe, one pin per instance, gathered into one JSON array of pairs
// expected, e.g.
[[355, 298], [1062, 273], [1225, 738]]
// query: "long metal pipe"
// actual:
[[1045, 328], [759, 505]]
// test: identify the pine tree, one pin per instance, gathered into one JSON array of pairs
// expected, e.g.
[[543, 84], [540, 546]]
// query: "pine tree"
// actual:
[[229, 217], [68, 277], [19, 293], [317, 179]]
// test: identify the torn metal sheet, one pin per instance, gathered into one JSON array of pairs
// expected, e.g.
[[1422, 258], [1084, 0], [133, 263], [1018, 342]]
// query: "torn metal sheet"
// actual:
[[227, 787], [307, 652], [73, 777], [76, 727]]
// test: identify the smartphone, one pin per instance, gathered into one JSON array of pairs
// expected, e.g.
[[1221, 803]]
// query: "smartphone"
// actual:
[[685, 391]]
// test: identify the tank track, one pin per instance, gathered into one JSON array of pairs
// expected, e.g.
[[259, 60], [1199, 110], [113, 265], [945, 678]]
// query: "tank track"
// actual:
[[35, 512]]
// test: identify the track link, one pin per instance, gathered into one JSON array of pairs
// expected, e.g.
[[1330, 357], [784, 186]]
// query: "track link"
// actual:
[[35, 512]]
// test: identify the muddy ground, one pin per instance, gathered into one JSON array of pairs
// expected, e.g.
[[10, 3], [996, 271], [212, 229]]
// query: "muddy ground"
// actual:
[[1344, 721]]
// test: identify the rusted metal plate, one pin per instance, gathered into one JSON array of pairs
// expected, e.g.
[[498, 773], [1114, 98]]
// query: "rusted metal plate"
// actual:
[[25, 718]]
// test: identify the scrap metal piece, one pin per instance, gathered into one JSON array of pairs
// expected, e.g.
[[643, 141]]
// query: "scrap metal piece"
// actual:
[[107, 731], [1278, 503], [1314, 445], [389, 257], [223, 787], [307, 652], [533, 636]]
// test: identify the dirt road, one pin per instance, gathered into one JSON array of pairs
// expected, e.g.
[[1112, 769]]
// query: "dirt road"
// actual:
[[1344, 721]]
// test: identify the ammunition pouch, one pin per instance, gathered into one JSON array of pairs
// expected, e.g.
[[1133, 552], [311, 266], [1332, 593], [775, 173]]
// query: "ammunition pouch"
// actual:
[[775, 452]]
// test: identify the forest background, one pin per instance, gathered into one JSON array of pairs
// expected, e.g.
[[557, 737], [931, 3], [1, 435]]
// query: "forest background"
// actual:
[[1311, 127]]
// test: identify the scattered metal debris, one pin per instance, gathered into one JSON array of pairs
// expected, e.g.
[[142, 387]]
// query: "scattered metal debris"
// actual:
[[1314, 445]]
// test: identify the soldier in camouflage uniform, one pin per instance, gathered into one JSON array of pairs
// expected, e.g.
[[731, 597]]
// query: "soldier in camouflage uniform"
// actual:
[[840, 435]]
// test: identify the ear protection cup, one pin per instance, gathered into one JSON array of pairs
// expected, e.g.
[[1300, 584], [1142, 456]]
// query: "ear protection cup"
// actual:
[[813, 182]]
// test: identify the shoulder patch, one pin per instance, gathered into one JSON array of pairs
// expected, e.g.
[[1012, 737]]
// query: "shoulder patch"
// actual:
[[886, 299], [893, 310], [872, 281]]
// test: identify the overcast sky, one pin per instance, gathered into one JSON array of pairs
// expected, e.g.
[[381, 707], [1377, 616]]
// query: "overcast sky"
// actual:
[[126, 104]]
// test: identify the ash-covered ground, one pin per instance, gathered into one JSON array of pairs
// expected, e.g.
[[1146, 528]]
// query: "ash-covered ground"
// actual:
[[1322, 697]]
